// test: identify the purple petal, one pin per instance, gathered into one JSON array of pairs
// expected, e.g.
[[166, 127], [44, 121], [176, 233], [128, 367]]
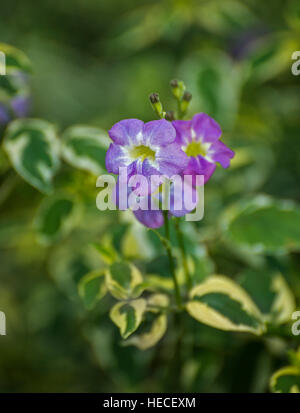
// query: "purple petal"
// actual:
[[183, 131], [151, 219], [171, 160], [147, 169], [159, 132], [115, 158], [21, 106], [183, 200], [219, 152], [206, 128], [127, 131], [4, 116], [200, 166]]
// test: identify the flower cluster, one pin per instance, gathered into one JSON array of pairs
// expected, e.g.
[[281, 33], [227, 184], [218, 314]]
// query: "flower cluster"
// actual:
[[181, 147]]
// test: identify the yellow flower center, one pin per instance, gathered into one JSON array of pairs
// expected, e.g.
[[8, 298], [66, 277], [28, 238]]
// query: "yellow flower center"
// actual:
[[142, 152], [195, 148]]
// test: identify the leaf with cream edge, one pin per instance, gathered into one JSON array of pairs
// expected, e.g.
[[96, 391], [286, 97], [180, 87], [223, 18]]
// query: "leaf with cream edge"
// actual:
[[156, 327], [150, 338], [85, 147], [92, 288], [286, 380], [128, 315], [221, 303], [33, 149], [271, 293], [123, 280], [263, 224], [15, 59]]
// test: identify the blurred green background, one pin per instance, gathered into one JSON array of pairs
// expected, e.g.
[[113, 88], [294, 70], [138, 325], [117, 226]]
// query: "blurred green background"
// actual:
[[96, 62]]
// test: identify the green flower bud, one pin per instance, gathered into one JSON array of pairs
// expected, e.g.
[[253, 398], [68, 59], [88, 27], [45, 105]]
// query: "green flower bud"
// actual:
[[184, 104], [178, 88], [170, 115], [156, 105]]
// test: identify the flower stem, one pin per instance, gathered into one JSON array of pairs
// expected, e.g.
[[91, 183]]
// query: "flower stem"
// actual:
[[183, 254], [171, 260]]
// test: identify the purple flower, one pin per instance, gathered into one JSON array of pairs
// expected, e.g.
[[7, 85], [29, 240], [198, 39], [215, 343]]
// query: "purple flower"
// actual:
[[18, 107], [4, 115], [155, 219], [182, 199], [146, 149], [21, 106], [199, 139]]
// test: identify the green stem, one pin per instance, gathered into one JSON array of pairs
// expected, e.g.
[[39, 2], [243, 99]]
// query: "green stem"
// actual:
[[179, 111], [171, 260], [183, 254]]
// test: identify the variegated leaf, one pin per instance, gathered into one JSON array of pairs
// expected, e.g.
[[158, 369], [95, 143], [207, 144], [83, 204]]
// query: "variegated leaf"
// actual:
[[85, 147], [123, 280], [149, 338], [271, 293], [128, 315], [15, 59], [264, 225], [33, 150], [286, 380], [221, 303]]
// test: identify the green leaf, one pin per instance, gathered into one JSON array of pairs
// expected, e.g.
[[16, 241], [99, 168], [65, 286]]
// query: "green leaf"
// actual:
[[56, 217], [122, 279], [286, 380], [221, 303], [271, 293], [264, 225], [128, 316], [33, 150], [92, 288], [15, 59], [85, 147]]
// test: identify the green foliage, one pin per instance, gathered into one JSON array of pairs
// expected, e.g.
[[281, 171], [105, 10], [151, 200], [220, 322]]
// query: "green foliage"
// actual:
[[287, 379], [128, 315], [216, 82], [221, 303], [33, 149], [271, 293], [85, 147], [265, 225], [56, 217], [235, 59], [15, 59], [123, 280], [92, 288]]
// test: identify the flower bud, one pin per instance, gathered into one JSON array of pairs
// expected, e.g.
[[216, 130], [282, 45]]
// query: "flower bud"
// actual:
[[187, 96], [154, 98], [170, 115], [156, 105], [184, 104], [178, 88]]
